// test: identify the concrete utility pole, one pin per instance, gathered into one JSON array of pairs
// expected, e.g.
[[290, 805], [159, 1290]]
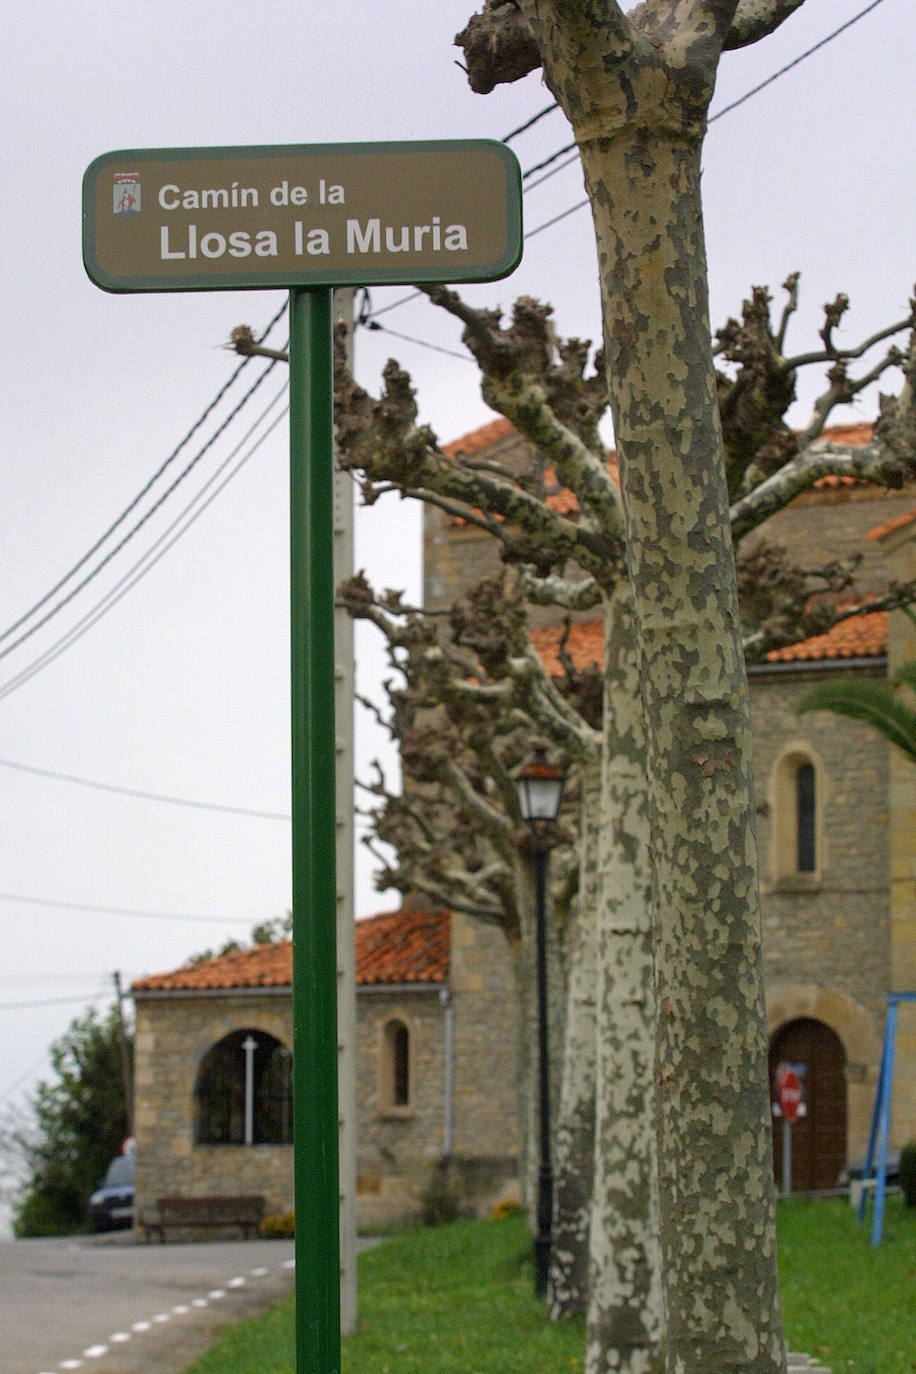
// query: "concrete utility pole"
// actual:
[[344, 688], [126, 1076]]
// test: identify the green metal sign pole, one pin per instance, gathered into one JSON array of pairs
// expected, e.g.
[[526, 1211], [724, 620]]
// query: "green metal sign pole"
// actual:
[[309, 217], [317, 1190]]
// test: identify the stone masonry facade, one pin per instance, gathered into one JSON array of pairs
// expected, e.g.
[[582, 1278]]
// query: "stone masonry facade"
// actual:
[[462, 1071]]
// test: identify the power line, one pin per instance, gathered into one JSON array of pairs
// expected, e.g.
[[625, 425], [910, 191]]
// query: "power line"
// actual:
[[144, 796], [822, 43], [144, 519], [139, 913], [52, 1002], [151, 557], [523, 128], [423, 343], [564, 214], [11, 629]]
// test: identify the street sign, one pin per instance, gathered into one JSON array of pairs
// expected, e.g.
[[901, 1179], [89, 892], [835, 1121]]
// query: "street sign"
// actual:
[[789, 1090], [307, 218], [362, 214]]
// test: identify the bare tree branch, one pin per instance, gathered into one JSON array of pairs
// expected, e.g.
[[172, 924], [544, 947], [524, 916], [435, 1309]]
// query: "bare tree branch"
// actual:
[[757, 18]]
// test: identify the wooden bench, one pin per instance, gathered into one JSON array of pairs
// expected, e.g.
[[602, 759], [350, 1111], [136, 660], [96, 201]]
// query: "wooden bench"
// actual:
[[174, 1212]]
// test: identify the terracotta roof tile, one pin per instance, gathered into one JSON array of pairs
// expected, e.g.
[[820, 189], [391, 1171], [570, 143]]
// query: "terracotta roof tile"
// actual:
[[397, 947], [479, 438], [263, 966], [403, 947], [899, 522], [861, 636], [584, 645]]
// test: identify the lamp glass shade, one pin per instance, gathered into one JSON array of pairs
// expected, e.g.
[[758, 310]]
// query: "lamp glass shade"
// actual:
[[539, 797]]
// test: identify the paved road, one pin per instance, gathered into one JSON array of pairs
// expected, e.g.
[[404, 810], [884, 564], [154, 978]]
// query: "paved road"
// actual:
[[105, 1304]]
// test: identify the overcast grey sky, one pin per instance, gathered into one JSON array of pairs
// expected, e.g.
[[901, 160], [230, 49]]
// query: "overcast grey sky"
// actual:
[[182, 688]]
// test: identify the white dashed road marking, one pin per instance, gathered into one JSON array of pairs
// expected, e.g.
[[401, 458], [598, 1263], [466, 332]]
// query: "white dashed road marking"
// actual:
[[94, 1352]]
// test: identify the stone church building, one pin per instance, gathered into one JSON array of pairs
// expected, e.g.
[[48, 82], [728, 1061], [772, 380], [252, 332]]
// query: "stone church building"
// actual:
[[436, 1010], [435, 1050]]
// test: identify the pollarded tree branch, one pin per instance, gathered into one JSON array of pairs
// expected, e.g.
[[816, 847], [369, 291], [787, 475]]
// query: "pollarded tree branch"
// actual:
[[757, 18], [522, 381], [489, 816], [581, 595], [382, 440], [874, 462], [548, 708], [498, 46]]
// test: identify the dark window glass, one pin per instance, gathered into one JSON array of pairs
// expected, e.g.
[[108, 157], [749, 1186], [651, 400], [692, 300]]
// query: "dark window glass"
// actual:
[[400, 1046], [805, 812], [222, 1085]]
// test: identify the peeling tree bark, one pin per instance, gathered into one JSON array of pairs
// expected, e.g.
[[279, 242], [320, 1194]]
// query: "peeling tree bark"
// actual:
[[636, 91], [575, 1118], [625, 1325]]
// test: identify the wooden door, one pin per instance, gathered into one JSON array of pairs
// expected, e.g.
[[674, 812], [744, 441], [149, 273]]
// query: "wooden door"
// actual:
[[818, 1137]]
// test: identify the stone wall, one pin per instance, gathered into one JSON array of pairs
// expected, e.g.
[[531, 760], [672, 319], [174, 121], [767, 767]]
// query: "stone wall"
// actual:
[[899, 547], [398, 1146], [486, 1041], [827, 933], [476, 1121], [172, 1036]]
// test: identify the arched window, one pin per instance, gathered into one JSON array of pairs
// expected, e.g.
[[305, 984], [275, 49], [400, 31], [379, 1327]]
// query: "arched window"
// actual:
[[797, 804], [243, 1094], [395, 1066]]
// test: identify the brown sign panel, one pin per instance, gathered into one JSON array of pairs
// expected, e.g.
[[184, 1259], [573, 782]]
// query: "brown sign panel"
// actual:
[[198, 219]]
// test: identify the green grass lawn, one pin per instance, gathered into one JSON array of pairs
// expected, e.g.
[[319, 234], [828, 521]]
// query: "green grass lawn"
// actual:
[[458, 1300]]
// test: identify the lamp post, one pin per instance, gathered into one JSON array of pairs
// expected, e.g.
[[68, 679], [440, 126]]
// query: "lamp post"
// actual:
[[540, 787]]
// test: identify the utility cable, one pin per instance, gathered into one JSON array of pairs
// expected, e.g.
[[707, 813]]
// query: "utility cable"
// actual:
[[822, 43], [53, 1002], [127, 911], [145, 796], [144, 519], [523, 128], [151, 557], [726, 109], [11, 629]]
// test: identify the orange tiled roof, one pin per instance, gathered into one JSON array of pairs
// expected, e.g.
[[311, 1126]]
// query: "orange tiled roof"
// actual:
[[263, 966], [479, 438], [898, 523], [397, 947], [861, 636], [584, 645], [403, 947]]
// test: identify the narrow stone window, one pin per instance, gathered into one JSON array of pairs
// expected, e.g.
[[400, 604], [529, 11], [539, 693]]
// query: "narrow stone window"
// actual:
[[797, 804], [396, 1083], [243, 1094], [806, 818]]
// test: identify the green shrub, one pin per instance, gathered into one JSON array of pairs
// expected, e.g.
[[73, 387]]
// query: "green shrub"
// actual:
[[908, 1173]]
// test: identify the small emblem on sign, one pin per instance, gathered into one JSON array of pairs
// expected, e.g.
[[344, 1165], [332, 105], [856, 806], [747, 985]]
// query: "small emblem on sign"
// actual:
[[126, 191]]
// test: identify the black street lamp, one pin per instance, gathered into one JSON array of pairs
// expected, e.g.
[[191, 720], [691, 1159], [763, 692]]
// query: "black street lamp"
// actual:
[[540, 787]]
